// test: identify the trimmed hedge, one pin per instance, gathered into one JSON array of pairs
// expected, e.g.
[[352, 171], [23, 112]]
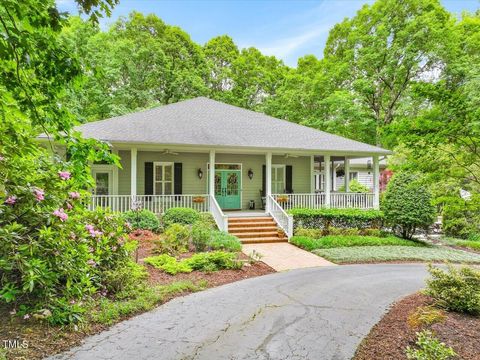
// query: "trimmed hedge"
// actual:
[[324, 219], [180, 215]]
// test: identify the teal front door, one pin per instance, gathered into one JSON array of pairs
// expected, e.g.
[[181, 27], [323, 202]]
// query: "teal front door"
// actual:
[[227, 188]]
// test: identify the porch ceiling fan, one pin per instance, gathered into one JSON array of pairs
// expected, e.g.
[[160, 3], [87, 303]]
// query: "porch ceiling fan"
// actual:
[[290, 156], [168, 152]]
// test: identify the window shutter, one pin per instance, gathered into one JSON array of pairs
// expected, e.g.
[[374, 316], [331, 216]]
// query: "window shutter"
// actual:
[[288, 179], [177, 174], [264, 180], [149, 178]]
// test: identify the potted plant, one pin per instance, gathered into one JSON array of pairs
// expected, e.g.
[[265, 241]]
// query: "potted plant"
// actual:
[[282, 199], [198, 199]]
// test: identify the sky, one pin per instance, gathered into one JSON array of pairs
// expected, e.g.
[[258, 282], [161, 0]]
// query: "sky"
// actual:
[[286, 29]]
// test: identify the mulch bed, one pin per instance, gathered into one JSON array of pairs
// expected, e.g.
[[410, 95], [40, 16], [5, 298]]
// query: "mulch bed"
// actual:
[[390, 337], [44, 340]]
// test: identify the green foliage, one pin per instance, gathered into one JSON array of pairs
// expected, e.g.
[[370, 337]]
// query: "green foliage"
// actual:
[[331, 241], [143, 298], [455, 289], [124, 278], [174, 240], [169, 264], [185, 216], [220, 240], [214, 261], [324, 219], [461, 218], [366, 254], [407, 205], [429, 348], [355, 186], [206, 261], [470, 244], [142, 219], [201, 233]]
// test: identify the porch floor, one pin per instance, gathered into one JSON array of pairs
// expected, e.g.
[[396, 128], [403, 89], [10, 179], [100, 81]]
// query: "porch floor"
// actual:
[[245, 213]]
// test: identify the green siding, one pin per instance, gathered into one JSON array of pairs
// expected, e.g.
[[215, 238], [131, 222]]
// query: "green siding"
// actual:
[[193, 161]]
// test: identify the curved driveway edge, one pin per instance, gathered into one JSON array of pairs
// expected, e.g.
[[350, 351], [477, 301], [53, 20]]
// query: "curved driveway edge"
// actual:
[[315, 313]]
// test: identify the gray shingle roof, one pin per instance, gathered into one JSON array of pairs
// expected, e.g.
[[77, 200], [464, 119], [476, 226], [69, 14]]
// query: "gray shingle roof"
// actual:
[[203, 121]]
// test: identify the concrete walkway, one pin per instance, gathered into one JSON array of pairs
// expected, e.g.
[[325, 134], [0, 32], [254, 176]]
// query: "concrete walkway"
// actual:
[[316, 313], [284, 256]]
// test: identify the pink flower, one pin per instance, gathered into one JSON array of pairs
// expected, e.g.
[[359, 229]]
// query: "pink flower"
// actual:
[[11, 200], [26, 316], [72, 302], [114, 248], [64, 175], [92, 231], [91, 262], [69, 206], [39, 194], [74, 195], [1, 158], [90, 250], [60, 213]]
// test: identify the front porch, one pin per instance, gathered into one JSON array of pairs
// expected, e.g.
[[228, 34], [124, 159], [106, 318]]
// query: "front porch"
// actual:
[[265, 183]]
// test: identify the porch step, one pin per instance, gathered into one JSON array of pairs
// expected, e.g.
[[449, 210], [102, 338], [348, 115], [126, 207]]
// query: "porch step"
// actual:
[[253, 230]]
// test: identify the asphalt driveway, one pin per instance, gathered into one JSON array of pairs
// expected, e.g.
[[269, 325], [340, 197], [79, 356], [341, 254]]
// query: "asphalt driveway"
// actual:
[[315, 313]]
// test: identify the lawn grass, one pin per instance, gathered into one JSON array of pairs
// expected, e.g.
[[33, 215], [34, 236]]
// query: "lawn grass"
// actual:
[[363, 254], [336, 241], [470, 244]]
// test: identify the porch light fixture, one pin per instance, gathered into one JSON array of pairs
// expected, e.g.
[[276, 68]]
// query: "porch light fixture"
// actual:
[[200, 173], [250, 174]]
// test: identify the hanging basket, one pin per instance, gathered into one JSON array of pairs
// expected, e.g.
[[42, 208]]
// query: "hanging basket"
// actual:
[[282, 199], [198, 199]]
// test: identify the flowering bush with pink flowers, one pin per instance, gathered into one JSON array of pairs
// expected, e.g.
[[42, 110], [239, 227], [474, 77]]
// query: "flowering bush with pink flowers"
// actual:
[[54, 253]]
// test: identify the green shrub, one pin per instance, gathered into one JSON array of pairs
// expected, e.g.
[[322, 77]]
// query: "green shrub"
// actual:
[[174, 240], [407, 205], [142, 220], [455, 289], [213, 261], [220, 240], [429, 348], [124, 278], [179, 215], [461, 218], [355, 187], [426, 316], [169, 264], [311, 233], [343, 232], [340, 218], [207, 261], [208, 220], [374, 232], [201, 233]]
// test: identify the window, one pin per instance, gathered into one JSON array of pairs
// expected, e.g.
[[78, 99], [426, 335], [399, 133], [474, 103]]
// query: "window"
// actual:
[[163, 178], [319, 181], [103, 175], [353, 176], [278, 179]]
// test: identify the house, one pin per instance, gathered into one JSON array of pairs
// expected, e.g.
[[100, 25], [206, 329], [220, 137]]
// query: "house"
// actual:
[[360, 169], [215, 157]]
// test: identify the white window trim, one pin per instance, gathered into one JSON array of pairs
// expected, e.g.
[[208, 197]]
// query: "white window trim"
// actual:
[[163, 163], [112, 179], [351, 173], [277, 166]]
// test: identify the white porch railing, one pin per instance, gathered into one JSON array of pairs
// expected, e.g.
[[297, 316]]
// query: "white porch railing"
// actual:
[[318, 200], [155, 203], [283, 220], [351, 200], [220, 218]]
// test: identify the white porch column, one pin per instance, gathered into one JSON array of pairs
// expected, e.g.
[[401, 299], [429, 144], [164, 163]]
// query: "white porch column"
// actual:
[[312, 174], [133, 173], [268, 178], [347, 174], [376, 183], [211, 173], [328, 179]]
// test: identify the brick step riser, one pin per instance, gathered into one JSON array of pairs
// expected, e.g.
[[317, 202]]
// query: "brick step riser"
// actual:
[[250, 220], [255, 235], [253, 229], [251, 241]]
